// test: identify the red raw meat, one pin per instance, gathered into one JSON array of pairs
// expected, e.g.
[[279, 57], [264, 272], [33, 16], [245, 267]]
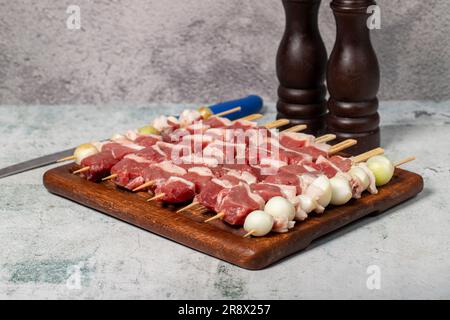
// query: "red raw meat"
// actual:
[[208, 196], [285, 178], [147, 140], [99, 165], [266, 191], [217, 122], [236, 203], [128, 169], [152, 153], [344, 164], [176, 190], [117, 150]]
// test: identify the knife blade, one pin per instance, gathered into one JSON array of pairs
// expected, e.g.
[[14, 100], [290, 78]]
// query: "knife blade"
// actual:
[[35, 163]]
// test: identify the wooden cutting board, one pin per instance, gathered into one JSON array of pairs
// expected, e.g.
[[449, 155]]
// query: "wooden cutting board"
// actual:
[[217, 238]]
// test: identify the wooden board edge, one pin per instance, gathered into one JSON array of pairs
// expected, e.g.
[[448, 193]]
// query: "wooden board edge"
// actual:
[[252, 254]]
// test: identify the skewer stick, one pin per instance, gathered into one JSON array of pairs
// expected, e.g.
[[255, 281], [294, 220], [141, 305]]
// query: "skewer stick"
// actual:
[[406, 160], [81, 170], [144, 185], [189, 206], [158, 196], [113, 176], [248, 234], [297, 128], [220, 215], [366, 155], [66, 159], [277, 123], [251, 117], [325, 138], [227, 112], [342, 146]]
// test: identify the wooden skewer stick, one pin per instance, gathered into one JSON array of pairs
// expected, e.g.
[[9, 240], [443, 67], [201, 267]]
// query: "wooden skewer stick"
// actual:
[[297, 128], [248, 234], [220, 215], [366, 155], [277, 123], [251, 117], [342, 146], [113, 176], [158, 196], [227, 112], [189, 206], [81, 170], [144, 185], [66, 159], [406, 160], [325, 138]]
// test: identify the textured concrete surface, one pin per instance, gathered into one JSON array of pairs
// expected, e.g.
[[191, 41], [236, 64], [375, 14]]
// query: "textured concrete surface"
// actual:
[[45, 239], [151, 50]]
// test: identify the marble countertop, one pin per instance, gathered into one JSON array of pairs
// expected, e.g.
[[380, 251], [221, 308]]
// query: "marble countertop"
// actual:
[[53, 248]]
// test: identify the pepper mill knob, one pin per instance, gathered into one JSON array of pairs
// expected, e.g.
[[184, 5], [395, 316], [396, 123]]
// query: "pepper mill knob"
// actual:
[[301, 64], [353, 77]]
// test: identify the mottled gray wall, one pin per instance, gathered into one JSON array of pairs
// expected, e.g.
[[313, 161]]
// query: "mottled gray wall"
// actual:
[[137, 51]]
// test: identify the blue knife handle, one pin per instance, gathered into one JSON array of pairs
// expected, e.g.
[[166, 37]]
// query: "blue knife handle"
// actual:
[[249, 105]]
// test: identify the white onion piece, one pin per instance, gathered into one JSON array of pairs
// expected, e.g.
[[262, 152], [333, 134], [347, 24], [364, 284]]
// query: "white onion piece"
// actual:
[[117, 136], [99, 145], [306, 203], [160, 123], [322, 183], [280, 207], [341, 191], [359, 174], [83, 151], [382, 168], [259, 223], [372, 188]]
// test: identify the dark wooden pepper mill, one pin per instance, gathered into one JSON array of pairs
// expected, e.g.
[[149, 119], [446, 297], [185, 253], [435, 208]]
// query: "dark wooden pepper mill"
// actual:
[[301, 64], [353, 77]]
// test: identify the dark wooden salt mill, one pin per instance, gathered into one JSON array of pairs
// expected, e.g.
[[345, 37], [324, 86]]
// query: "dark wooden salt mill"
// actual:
[[301, 65], [353, 77]]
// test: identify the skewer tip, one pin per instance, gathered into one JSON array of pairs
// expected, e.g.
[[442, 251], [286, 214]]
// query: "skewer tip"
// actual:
[[248, 234], [158, 196], [81, 170], [227, 112], [66, 159], [325, 138], [277, 123], [406, 160], [189, 206], [367, 155], [220, 215], [342, 146], [297, 128], [251, 117], [110, 177], [143, 186]]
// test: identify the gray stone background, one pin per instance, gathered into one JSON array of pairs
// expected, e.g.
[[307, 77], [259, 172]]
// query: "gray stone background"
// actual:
[[139, 51]]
